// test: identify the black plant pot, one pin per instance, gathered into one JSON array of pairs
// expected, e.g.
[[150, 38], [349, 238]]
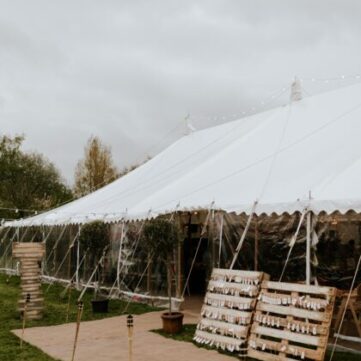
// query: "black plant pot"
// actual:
[[100, 306]]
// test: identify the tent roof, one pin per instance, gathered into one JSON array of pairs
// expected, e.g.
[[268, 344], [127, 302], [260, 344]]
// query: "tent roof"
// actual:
[[304, 154]]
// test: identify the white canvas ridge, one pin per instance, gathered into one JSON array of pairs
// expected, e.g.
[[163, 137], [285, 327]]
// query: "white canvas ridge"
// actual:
[[306, 154]]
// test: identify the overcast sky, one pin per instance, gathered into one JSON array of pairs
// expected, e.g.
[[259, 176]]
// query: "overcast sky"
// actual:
[[130, 71]]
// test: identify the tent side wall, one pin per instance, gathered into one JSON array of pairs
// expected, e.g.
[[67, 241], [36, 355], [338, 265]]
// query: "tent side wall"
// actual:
[[333, 257]]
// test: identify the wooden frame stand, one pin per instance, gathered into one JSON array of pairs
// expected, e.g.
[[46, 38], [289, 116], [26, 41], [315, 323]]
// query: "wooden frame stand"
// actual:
[[292, 322], [228, 309]]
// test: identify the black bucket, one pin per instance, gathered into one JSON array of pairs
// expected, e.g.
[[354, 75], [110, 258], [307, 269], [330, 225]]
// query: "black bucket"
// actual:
[[100, 306]]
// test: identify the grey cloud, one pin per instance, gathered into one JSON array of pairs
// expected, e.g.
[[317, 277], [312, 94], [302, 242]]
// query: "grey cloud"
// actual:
[[130, 71]]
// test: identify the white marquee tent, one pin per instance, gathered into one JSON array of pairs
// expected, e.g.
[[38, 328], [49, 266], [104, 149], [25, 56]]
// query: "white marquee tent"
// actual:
[[304, 154]]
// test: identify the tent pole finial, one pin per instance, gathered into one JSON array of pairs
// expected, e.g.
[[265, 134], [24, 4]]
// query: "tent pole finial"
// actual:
[[296, 90], [189, 126]]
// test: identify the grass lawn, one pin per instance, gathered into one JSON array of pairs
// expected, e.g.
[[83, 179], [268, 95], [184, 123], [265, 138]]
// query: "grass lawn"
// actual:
[[188, 333], [55, 313]]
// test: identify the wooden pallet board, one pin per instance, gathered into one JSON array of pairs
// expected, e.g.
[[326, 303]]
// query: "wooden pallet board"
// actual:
[[226, 315], [30, 254], [291, 322], [28, 251]]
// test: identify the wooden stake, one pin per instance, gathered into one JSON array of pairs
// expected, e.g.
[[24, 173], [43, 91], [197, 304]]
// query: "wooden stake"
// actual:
[[27, 300], [78, 319]]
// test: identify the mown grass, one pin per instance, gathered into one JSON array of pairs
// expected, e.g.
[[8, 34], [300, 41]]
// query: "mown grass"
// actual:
[[54, 314], [189, 329]]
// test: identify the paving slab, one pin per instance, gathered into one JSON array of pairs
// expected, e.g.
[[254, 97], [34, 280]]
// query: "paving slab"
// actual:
[[106, 340]]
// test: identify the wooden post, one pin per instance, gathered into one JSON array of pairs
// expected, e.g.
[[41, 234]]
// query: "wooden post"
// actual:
[[78, 319]]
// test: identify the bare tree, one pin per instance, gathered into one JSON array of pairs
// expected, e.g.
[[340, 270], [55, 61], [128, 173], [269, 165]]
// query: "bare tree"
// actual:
[[96, 169]]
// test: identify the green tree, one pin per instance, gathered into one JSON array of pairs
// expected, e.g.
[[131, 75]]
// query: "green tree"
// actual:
[[96, 169], [28, 181], [160, 237]]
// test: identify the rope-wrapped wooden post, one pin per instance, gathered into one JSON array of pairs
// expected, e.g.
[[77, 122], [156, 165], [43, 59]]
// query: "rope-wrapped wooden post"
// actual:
[[30, 255], [130, 326]]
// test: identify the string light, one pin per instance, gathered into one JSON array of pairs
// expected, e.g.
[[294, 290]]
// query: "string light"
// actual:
[[17, 210], [251, 110], [333, 79], [266, 102], [101, 184]]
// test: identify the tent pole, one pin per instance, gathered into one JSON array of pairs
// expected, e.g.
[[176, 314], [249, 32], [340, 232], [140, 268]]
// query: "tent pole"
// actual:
[[203, 232], [293, 242], [70, 245], [149, 274], [212, 237], [179, 269], [243, 237], [77, 261], [122, 235], [308, 248], [220, 241], [179, 258], [256, 245]]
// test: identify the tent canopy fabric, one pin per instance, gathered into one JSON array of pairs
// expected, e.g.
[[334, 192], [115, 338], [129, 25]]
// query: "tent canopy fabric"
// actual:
[[304, 154]]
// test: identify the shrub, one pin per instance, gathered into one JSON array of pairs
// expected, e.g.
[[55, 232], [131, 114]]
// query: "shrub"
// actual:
[[95, 237]]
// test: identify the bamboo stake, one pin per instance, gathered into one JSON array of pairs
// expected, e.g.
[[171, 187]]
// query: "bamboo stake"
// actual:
[[27, 300], [78, 319], [130, 326]]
